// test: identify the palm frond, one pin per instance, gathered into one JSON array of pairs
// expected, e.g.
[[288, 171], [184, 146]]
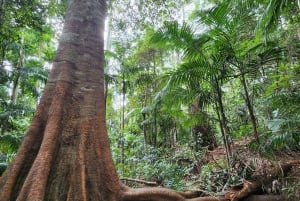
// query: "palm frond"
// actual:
[[10, 143], [174, 36], [34, 72], [266, 57], [15, 111], [270, 17], [143, 79], [285, 96], [30, 88]]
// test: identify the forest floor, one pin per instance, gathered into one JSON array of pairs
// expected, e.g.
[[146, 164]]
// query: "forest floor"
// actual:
[[252, 176], [277, 174]]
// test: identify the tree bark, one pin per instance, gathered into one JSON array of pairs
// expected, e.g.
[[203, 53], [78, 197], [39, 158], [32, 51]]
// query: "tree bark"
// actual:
[[65, 154]]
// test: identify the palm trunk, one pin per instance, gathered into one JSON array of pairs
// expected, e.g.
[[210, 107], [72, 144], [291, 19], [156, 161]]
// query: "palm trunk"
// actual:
[[250, 108], [223, 119], [123, 125], [15, 89], [65, 154]]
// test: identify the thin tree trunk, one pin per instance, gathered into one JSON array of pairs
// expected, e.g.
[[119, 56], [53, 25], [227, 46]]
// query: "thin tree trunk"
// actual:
[[250, 108], [144, 130], [154, 134], [223, 135], [223, 118], [15, 89], [123, 125]]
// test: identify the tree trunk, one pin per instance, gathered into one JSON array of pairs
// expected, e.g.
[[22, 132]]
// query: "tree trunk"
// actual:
[[250, 108], [223, 119], [65, 154]]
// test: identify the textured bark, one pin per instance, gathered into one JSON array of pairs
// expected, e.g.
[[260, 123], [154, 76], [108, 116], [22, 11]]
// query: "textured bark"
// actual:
[[65, 154]]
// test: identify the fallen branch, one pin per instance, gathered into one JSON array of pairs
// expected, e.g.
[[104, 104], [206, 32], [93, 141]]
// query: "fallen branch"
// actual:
[[148, 183]]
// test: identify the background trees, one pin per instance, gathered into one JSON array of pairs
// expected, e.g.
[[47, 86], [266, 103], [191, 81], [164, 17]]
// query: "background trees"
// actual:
[[26, 49], [223, 60]]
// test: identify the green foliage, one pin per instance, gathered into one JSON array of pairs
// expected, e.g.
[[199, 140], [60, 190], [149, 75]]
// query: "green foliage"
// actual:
[[154, 164], [26, 44], [291, 190]]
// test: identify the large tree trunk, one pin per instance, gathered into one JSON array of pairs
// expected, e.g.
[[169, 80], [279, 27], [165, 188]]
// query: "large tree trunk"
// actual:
[[65, 154]]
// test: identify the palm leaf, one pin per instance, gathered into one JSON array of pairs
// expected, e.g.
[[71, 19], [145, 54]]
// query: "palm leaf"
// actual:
[[172, 35], [10, 143], [16, 110], [270, 17]]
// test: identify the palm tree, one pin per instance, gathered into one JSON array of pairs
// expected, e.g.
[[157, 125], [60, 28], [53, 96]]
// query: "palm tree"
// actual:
[[271, 12], [199, 68]]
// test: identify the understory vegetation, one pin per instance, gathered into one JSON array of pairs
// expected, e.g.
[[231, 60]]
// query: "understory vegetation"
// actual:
[[200, 95]]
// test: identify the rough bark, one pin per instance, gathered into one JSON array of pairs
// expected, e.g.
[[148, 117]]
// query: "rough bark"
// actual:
[[65, 154]]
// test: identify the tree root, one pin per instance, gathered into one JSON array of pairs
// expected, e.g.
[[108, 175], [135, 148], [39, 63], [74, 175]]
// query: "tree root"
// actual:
[[163, 194], [151, 194]]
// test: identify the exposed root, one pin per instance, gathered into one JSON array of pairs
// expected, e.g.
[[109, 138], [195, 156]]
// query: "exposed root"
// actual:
[[163, 194], [207, 199], [152, 194]]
